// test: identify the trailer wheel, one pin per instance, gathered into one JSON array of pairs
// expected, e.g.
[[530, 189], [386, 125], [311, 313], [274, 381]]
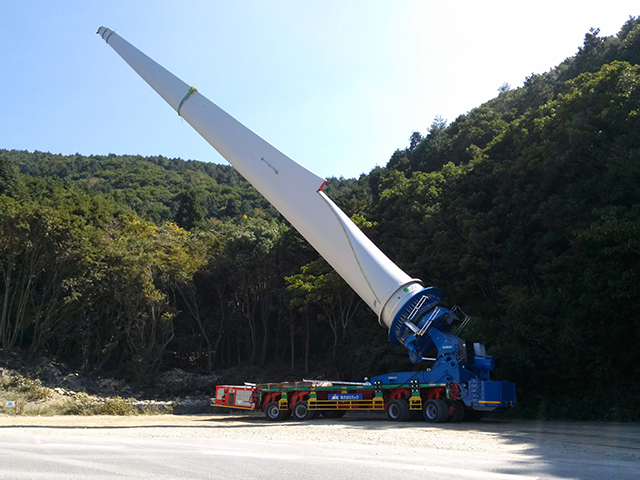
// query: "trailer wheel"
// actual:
[[435, 411], [273, 412], [398, 410], [301, 411], [333, 413], [456, 410]]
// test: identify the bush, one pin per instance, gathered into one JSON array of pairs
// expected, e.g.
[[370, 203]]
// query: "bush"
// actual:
[[83, 404], [31, 390]]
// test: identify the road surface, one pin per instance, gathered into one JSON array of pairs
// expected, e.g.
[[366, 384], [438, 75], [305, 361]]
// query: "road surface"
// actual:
[[363, 446]]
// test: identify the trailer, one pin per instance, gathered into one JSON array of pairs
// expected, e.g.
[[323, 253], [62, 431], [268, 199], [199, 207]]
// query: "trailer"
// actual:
[[454, 381], [306, 400]]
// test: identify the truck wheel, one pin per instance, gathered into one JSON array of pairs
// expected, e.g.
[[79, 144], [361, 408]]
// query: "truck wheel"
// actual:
[[333, 413], [398, 410], [435, 411], [301, 411], [456, 410], [273, 412]]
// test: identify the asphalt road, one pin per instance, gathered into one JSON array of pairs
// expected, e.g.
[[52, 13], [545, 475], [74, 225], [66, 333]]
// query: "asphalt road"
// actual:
[[360, 447]]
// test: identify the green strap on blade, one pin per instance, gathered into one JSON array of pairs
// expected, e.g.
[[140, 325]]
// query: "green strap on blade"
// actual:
[[191, 91]]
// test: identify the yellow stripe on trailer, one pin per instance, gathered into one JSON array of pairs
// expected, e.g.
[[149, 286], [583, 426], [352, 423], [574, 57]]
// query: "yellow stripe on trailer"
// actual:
[[489, 401]]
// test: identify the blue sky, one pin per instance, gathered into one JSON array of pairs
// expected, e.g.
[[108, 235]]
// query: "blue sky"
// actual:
[[336, 85]]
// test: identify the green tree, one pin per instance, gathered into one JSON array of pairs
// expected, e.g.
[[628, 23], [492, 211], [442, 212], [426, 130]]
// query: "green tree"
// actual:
[[190, 212], [319, 284], [38, 253], [8, 176]]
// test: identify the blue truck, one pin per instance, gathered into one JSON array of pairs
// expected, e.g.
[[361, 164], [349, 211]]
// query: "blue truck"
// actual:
[[455, 384]]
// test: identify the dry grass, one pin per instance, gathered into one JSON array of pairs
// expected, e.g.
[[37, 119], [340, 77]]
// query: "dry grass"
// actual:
[[31, 398]]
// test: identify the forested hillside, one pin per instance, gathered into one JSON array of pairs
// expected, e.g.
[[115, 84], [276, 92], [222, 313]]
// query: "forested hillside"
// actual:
[[524, 211]]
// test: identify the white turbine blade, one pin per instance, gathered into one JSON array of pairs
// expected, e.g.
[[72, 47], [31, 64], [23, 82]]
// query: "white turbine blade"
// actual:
[[293, 190]]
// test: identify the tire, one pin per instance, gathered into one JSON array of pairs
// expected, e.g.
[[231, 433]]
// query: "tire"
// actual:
[[333, 413], [398, 410], [456, 410], [435, 411], [302, 413], [273, 413]]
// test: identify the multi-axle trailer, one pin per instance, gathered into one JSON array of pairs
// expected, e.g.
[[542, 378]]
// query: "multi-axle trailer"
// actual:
[[457, 379], [306, 400]]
